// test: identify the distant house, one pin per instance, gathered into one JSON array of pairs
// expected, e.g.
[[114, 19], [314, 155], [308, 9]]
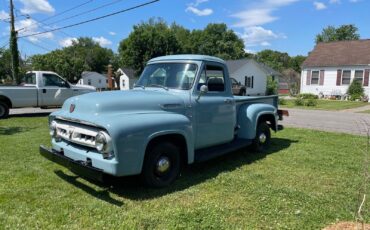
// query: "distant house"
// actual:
[[99, 81], [331, 67], [252, 74], [283, 88], [127, 78]]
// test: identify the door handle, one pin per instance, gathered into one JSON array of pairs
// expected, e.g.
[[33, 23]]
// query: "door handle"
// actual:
[[228, 101], [43, 90]]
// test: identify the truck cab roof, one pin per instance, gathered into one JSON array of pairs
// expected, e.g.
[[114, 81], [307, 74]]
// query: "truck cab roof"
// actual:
[[187, 57]]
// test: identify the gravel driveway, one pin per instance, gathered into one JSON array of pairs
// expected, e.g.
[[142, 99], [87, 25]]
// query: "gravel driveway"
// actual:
[[332, 121]]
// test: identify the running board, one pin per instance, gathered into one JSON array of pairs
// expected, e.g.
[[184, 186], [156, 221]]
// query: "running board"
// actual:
[[219, 150]]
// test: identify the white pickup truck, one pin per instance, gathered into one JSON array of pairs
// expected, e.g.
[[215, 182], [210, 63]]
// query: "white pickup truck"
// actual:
[[39, 89]]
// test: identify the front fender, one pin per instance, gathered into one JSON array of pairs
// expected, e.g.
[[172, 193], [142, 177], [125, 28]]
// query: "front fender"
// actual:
[[248, 116], [132, 133]]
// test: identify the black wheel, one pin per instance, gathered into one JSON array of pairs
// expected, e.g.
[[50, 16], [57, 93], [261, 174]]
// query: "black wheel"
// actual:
[[263, 137], [4, 110], [161, 165], [242, 93]]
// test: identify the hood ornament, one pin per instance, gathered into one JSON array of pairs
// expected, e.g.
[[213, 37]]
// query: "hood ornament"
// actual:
[[72, 108]]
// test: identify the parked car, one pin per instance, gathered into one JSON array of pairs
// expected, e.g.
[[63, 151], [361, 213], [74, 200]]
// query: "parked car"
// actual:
[[39, 89], [238, 88], [181, 111]]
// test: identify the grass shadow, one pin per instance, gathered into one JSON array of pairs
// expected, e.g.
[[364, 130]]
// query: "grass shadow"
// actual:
[[41, 114], [13, 130], [131, 187]]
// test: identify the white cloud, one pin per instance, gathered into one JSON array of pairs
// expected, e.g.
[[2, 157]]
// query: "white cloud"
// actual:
[[30, 26], [3, 15], [193, 8], [102, 41], [259, 36], [319, 5], [260, 13], [196, 11], [254, 17], [67, 42], [36, 6], [112, 33], [334, 1]]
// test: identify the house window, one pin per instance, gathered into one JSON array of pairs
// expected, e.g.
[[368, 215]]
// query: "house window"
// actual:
[[359, 76], [89, 82], [315, 77], [249, 81], [346, 77], [99, 81]]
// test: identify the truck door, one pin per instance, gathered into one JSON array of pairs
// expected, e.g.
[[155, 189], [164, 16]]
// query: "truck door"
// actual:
[[215, 111], [54, 90]]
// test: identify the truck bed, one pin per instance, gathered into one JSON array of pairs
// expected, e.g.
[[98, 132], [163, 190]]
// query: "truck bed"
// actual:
[[271, 100]]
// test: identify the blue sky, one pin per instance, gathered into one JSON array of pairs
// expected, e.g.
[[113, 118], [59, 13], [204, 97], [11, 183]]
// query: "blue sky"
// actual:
[[283, 25]]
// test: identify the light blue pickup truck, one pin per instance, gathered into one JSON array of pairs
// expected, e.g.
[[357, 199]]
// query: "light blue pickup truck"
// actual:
[[181, 111]]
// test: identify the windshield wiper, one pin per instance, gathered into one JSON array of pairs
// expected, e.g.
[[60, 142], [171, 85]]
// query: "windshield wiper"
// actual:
[[157, 85]]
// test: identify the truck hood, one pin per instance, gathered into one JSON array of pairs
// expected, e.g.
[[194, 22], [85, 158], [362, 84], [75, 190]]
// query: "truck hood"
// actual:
[[122, 102]]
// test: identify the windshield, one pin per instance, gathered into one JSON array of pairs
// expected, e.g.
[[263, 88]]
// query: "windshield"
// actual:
[[168, 75]]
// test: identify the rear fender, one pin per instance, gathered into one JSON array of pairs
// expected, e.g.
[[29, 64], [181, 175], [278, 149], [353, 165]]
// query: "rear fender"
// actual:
[[249, 115]]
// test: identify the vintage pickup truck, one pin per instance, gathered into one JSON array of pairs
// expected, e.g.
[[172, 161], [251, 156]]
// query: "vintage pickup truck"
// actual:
[[39, 89], [181, 111]]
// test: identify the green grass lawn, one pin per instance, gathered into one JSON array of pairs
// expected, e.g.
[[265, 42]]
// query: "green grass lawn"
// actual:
[[307, 180], [327, 105]]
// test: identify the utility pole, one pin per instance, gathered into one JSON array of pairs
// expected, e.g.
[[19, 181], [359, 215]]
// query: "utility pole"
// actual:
[[13, 45]]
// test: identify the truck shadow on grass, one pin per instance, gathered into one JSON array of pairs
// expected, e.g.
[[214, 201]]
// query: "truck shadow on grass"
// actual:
[[131, 188], [41, 114]]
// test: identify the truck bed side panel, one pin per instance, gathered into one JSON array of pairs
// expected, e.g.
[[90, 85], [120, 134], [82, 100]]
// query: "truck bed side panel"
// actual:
[[21, 96]]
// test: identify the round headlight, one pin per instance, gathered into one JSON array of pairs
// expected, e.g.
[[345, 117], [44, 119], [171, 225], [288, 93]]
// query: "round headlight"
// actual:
[[100, 142], [53, 128]]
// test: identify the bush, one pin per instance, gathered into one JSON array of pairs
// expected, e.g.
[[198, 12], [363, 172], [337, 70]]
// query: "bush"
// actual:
[[311, 102], [299, 102], [308, 96], [282, 101], [355, 91], [271, 86]]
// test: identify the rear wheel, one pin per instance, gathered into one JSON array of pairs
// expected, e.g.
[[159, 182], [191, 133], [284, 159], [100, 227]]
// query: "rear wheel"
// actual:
[[263, 137], [4, 110], [161, 165]]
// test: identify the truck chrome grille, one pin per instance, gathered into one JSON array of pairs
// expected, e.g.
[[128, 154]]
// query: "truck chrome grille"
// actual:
[[78, 134]]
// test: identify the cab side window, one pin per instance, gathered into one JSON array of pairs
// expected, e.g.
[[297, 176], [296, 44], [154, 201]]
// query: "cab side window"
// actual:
[[29, 79], [53, 80], [213, 76]]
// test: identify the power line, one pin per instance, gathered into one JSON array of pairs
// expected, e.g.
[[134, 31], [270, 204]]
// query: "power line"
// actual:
[[61, 13], [3, 46], [37, 45], [93, 19], [85, 12]]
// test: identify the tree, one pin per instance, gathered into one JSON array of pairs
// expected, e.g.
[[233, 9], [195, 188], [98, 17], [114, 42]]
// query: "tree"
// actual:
[[5, 64], [271, 86], [155, 38], [84, 55], [342, 33], [295, 62], [355, 90], [147, 40], [275, 59]]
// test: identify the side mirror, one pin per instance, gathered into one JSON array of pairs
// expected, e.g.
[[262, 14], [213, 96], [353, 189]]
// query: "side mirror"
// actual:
[[203, 90]]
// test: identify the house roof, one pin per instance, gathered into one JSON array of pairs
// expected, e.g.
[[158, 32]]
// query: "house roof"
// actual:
[[235, 65], [91, 74], [341, 53], [129, 72]]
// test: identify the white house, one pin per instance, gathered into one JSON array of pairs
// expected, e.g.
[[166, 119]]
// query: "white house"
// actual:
[[127, 78], [98, 80], [331, 67], [251, 74]]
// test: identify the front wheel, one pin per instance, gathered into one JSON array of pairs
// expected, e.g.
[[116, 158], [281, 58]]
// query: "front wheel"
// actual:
[[4, 110], [263, 137], [161, 165]]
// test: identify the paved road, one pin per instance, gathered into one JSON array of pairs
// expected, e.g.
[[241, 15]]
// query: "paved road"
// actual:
[[333, 121], [29, 111]]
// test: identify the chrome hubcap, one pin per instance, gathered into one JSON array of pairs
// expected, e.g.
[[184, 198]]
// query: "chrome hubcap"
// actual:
[[262, 138], [163, 165]]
